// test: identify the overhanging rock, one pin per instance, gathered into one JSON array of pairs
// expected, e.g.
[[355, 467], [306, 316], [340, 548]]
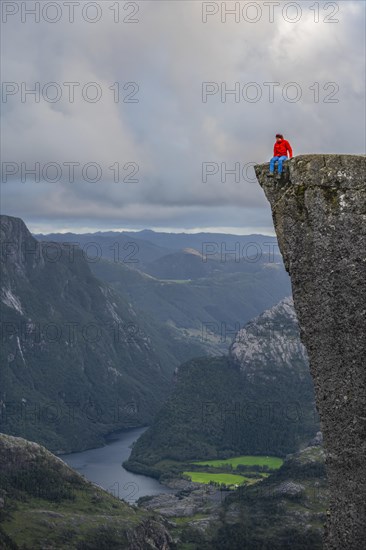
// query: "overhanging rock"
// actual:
[[319, 213]]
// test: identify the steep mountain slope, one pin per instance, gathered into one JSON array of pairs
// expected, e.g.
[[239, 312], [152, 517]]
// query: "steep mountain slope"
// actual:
[[46, 504], [78, 361], [259, 400], [319, 213]]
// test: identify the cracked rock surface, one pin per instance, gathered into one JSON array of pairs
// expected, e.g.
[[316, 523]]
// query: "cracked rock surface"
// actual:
[[319, 213]]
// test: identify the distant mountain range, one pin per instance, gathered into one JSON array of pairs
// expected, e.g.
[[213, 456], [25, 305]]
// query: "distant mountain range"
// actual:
[[192, 283], [144, 250], [147, 245]]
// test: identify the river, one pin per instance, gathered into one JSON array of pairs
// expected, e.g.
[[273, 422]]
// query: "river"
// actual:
[[103, 466]]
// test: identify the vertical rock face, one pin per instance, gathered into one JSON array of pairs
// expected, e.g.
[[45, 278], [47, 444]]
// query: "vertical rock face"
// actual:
[[271, 340], [319, 213]]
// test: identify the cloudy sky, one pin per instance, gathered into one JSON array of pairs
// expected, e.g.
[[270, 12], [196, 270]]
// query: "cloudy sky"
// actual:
[[132, 124]]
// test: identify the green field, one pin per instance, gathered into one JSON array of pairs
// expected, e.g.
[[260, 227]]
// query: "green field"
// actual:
[[272, 462], [204, 477]]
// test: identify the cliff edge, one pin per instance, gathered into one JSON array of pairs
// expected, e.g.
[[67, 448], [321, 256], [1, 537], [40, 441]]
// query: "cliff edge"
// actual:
[[319, 213]]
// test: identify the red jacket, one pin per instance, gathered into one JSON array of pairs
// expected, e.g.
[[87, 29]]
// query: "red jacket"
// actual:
[[281, 148]]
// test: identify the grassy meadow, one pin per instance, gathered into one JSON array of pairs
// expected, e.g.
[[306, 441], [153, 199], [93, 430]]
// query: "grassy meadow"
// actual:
[[233, 471], [272, 462]]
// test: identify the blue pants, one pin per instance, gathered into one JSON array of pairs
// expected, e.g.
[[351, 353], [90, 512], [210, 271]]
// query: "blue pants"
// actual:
[[280, 161]]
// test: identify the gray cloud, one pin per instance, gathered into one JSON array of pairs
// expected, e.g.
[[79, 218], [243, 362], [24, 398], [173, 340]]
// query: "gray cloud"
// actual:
[[170, 132]]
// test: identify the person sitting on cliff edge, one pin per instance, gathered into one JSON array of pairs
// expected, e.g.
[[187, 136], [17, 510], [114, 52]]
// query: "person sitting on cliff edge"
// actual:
[[282, 149]]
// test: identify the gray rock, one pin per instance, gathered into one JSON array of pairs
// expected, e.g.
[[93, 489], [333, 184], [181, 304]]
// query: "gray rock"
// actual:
[[181, 484], [271, 338], [289, 488], [319, 213], [197, 498], [150, 535], [317, 440]]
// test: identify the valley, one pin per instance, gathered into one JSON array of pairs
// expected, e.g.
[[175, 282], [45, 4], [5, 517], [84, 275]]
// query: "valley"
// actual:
[[209, 358]]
